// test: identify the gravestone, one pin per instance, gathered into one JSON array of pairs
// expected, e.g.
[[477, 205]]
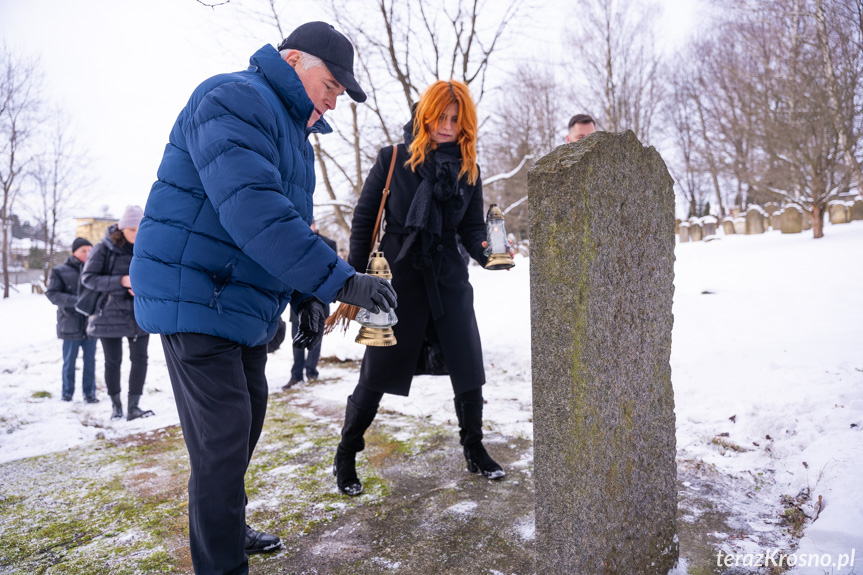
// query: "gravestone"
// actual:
[[755, 220], [602, 271], [792, 220], [740, 225], [696, 232], [770, 207], [728, 225], [708, 226], [776, 220], [683, 231], [856, 212], [838, 212]]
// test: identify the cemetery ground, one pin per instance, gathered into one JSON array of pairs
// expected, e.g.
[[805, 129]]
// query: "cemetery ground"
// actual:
[[768, 404]]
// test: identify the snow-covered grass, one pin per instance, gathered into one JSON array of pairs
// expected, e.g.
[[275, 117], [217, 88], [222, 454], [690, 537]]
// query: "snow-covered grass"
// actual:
[[766, 362]]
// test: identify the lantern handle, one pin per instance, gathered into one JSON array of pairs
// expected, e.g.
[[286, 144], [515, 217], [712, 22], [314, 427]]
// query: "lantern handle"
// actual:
[[379, 222]]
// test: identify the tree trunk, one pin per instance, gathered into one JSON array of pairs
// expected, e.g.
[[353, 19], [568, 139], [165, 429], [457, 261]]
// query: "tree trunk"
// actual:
[[817, 215]]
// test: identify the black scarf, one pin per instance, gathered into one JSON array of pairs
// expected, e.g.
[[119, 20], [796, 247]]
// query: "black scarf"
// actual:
[[438, 192]]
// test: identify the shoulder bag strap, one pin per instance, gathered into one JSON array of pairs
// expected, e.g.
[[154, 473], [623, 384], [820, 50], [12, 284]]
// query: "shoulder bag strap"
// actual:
[[379, 221]]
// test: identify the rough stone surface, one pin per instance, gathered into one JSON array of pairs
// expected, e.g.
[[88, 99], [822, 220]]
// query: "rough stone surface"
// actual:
[[602, 271]]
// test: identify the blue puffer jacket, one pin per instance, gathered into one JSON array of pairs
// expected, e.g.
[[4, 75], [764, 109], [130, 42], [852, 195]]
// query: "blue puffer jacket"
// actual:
[[225, 242]]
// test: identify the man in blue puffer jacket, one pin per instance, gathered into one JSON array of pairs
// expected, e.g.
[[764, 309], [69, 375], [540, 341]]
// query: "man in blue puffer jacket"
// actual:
[[224, 246]]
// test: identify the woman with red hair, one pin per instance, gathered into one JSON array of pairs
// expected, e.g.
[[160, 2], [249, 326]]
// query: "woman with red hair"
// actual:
[[435, 202]]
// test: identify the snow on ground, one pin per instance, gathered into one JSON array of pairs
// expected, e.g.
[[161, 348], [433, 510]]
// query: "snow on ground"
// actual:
[[766, 349]]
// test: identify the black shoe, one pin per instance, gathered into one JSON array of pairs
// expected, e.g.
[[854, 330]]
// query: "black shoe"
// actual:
[[292, 383], [260, 542], [357, 420], [91, 399], [116, 406], [134, 411], [345, 472], [478, 460], [469, 415], [66, 398]]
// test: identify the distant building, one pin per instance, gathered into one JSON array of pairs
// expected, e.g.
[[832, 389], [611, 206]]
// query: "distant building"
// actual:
[[93, 229]]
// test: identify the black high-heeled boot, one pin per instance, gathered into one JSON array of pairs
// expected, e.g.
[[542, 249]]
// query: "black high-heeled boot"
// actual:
[[469, 415], [357, 420]]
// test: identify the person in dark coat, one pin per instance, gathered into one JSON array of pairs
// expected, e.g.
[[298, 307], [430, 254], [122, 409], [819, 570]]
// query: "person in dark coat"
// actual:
[[224, 247], [107, 271], [307, 359], [71, 325], [436, 197]]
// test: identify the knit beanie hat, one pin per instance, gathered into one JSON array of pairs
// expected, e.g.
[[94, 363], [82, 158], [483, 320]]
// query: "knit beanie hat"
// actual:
[[131, 218], [78, 243]]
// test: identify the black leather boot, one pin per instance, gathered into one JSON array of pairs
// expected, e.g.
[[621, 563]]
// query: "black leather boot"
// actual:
[[116, 406], [134, 411], [357, 420], [469, 415]]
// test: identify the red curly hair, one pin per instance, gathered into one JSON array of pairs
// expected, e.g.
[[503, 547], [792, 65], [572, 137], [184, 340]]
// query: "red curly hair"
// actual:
[[429, 111]]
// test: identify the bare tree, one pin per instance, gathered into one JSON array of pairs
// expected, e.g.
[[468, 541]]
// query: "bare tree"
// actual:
[[19, 105], [618, 65], [524, 123], [401, 47], [683, 117], [61, 182]]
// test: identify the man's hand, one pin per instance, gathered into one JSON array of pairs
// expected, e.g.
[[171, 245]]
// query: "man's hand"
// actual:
[[369, 292], [310, 327]]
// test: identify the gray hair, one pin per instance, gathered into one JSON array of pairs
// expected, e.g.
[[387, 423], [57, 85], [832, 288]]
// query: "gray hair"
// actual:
[[306, 60]]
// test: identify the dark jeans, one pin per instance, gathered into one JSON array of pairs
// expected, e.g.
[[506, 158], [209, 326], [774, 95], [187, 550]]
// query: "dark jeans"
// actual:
[[70, 356], [302, 361], [112, 347], [221, 392]]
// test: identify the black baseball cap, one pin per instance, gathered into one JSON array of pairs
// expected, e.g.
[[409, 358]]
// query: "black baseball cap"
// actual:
[[322, 40]]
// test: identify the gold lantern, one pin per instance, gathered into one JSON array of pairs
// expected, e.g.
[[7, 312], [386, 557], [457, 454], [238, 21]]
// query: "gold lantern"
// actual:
[[498, 255], [377, 327]]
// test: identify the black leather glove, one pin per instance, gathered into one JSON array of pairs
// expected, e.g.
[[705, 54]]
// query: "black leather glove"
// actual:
[[369, 292], [310, 326]]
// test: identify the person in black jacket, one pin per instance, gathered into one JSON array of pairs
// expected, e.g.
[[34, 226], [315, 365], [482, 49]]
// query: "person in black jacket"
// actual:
[[436, 197], [71, 325], [307, 359], [107, 271]]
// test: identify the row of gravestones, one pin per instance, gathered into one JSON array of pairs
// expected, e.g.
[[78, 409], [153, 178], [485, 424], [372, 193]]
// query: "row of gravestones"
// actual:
[[843, 212], [757, 220]]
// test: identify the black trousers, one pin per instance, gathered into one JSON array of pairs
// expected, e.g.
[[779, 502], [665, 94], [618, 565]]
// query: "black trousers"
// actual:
[[221, 392], [112, 348]]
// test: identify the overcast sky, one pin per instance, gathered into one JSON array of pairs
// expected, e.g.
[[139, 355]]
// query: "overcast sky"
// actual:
[[122, 70]]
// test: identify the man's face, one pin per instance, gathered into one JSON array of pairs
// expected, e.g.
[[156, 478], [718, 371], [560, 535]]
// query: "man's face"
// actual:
[[578, 131], [321, 87], [81, 253]]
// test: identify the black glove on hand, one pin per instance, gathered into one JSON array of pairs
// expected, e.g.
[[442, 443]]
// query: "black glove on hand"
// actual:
[[369, 292], [310, 326]]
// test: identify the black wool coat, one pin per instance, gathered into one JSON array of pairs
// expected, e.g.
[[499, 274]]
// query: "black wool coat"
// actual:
[[63, 292], [115, 309], [437, 299]]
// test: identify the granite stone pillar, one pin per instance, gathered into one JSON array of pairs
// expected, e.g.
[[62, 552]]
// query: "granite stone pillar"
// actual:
[[602, 271]]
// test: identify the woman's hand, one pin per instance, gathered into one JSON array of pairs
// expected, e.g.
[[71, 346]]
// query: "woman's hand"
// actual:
[[126, 282]]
